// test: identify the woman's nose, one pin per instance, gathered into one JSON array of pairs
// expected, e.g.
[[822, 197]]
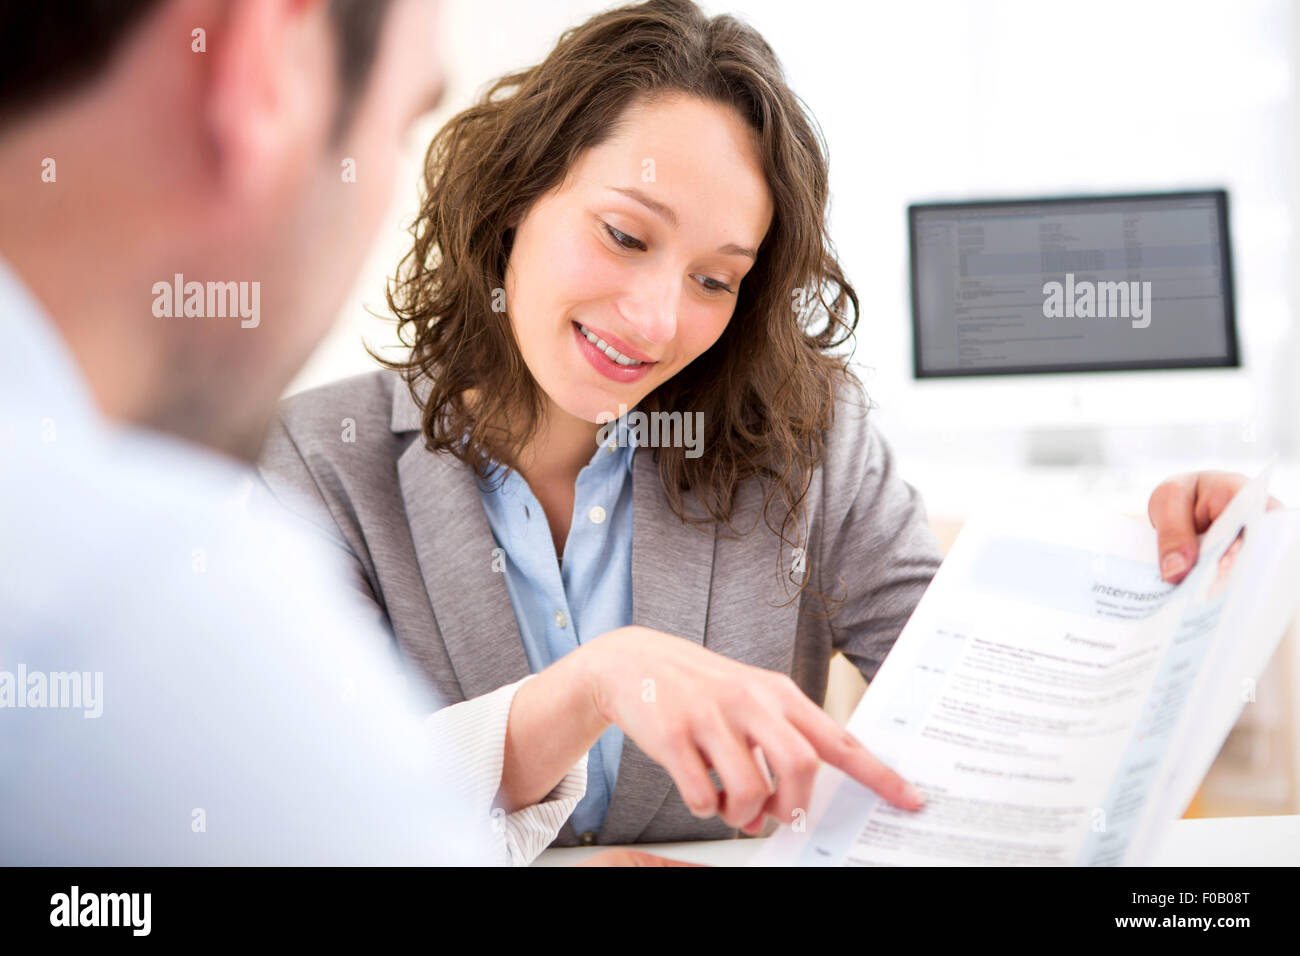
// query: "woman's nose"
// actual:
[[651, 308]]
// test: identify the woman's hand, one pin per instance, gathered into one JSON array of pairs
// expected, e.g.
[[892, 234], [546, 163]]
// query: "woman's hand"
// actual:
[[1183, 507], [691, 710]]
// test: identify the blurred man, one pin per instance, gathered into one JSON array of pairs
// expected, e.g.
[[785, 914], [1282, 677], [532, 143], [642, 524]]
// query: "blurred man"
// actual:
[[188, 189]]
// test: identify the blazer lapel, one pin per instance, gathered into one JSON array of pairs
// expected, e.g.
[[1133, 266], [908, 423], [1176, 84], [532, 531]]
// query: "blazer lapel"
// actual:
[[672, 571], [454, 548]]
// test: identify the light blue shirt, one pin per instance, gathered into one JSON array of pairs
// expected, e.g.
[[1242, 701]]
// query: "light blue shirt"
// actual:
[[182, 677], [561, 604]]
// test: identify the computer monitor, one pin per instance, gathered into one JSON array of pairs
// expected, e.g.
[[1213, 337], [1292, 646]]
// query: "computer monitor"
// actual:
[[1005, 339], [1072, 284]]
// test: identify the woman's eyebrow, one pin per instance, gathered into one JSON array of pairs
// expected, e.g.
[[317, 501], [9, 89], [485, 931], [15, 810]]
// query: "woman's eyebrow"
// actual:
[[655, 206], [667, 214]]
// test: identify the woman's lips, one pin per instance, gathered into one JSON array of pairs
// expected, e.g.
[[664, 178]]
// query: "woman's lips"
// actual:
[[619, 345], [605, 365]]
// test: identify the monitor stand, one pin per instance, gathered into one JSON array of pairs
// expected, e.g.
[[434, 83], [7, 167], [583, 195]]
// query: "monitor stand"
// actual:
[[1064, 447]]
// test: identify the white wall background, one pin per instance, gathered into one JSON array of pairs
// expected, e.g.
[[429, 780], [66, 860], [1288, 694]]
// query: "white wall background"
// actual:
[[948, 99]]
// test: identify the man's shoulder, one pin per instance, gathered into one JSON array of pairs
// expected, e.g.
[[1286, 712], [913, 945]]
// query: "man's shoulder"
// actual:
[[160, 518]]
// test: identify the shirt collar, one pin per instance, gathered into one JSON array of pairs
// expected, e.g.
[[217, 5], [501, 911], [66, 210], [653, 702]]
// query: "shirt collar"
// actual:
[[619, 443], [38, 374], [619, 436], [407, 415], [44, 396]]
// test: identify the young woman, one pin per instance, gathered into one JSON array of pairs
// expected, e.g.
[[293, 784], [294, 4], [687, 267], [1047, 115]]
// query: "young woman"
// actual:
[[636, 223]]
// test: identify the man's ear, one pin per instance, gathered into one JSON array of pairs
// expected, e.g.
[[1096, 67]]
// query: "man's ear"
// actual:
[[272, 86]]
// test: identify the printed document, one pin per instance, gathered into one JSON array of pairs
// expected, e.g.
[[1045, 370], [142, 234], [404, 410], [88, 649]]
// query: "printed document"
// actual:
[[1052, 698]]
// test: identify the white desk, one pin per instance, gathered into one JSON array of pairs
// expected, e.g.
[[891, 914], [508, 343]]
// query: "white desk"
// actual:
[[1222, 841]]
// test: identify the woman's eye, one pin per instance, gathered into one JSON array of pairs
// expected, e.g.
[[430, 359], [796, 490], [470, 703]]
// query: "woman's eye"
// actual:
[[710, 284], [623, 239]]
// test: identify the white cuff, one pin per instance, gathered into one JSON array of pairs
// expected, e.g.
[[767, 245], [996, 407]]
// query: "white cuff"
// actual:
[[473, 735]]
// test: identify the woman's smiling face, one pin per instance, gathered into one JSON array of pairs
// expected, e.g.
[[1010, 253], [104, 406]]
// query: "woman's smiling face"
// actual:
[[643, 247]]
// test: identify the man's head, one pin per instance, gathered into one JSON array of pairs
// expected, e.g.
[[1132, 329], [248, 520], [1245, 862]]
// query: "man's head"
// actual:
[[247, 146]]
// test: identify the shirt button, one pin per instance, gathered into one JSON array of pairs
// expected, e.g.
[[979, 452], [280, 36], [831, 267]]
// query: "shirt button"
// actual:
[[560, 619], [597, 515], [587, 839], [610, 448]]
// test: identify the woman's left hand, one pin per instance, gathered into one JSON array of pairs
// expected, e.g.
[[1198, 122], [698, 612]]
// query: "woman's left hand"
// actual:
[[1183, 507]]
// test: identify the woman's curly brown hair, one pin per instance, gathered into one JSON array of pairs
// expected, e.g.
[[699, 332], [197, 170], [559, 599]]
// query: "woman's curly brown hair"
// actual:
[[767, 387]]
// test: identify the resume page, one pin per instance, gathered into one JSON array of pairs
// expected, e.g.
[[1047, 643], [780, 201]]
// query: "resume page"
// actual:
[[1039, 689]]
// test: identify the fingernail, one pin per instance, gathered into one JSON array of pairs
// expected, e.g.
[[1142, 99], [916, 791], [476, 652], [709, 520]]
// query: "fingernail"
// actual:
[[699, 808], [1175, 562], [912, 795]]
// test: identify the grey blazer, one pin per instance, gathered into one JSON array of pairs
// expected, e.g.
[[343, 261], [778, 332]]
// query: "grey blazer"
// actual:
[[349, 457]]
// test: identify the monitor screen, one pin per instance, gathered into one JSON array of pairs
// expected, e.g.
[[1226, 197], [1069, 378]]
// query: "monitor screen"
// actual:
[[1072, 284]]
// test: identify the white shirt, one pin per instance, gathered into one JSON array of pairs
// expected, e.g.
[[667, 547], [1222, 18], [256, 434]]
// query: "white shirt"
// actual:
[[183, 675]]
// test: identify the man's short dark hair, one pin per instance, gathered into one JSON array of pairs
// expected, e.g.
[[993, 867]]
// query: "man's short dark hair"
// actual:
[[50, 49]]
